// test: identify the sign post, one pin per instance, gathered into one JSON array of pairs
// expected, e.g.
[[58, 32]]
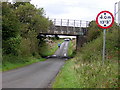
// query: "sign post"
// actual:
[[104, 20], [104, 40]]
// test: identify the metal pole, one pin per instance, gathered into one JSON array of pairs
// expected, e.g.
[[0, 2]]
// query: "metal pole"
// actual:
[[86, 23], [115, 11], [61, 22], [80, 24], [104, 40], [68, 22], [67, 25], [80, 31], [61, 25], [54, 24], [74, 26], [54, 21], [119, 13]]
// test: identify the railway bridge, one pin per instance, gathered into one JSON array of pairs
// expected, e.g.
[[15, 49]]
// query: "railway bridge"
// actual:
[[69, 27]]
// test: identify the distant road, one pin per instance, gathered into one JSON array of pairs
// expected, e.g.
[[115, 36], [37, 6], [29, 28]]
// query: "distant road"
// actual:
[[37, 75]]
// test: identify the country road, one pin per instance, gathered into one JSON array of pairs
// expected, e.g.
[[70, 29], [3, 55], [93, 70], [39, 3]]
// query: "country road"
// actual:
[[37, 75]]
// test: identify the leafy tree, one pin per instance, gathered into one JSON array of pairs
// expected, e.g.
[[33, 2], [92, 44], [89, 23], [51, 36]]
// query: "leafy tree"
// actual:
[[93, 31], [32, 18], [0, 27], [10, 29], [22, 23], [16, 5], [11, 46], [10, 23]]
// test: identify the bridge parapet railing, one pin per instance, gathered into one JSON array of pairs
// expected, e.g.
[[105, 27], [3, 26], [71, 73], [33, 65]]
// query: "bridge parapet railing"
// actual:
[[68, 26], [70, 22]]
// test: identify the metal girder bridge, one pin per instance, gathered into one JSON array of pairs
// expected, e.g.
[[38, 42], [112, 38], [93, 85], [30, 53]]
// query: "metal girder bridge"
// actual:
[[68, 27]]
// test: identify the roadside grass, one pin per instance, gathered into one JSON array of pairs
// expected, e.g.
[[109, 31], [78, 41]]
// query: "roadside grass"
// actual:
[[87, 75], [71, 48], [49, 48], [1, 68], [86, 69], [66, 77], [17, 64], [96, 74], [12, 62]]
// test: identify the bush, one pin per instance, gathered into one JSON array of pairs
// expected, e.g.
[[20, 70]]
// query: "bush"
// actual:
[[11, 46], [87, 69], [93, 31]]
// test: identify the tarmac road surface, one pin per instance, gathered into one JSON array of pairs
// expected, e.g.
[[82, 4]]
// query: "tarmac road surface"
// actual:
[[37, 75]]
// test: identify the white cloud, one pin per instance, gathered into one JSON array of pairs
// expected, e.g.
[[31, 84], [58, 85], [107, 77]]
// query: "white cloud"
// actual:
[[75, 9]]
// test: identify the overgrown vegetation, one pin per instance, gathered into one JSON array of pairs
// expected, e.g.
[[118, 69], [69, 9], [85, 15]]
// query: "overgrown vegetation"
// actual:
[[21, 24], [87, 70], [72, 48], [48, 49], [93, 31]]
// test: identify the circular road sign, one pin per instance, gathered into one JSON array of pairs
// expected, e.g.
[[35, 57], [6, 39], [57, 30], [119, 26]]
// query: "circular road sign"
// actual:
[[105, 19]]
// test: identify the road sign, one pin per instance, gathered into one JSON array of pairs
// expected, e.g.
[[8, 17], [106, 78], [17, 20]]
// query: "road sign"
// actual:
[[105, 19]]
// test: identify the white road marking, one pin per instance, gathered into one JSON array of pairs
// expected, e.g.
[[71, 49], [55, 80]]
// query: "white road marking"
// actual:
[[65, 48], [66, 45], [54, 55], [65, 54]]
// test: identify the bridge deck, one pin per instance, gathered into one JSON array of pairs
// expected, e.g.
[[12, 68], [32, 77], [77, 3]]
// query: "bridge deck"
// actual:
[[67, 27]]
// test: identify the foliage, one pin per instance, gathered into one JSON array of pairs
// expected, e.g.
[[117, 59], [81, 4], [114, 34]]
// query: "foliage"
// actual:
[[87, 69], [66, 77], [10, 23], [72, 48], [32, 18], [93, 31], [11, 46], [12, 62], [21, 24], [50, 47]]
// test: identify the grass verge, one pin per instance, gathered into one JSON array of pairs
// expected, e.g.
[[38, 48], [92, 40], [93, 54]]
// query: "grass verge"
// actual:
[[50, 48], [27, 61], [71, 48], [87, 75], [67, 77], [87, 70], [12, 62]]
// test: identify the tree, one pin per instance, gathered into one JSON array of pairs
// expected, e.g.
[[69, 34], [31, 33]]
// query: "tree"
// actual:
[[10, 30], [93, 31], [32, 18], [10, 23], [22, 23]]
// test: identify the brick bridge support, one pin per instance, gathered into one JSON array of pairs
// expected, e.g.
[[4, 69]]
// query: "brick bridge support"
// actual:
[[80, 40]]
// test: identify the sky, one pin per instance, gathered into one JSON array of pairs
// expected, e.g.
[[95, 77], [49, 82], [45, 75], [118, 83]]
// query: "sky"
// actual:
[[74, 9], [86, 10]]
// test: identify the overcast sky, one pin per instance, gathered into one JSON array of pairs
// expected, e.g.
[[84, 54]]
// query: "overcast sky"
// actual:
[[74, 9]]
